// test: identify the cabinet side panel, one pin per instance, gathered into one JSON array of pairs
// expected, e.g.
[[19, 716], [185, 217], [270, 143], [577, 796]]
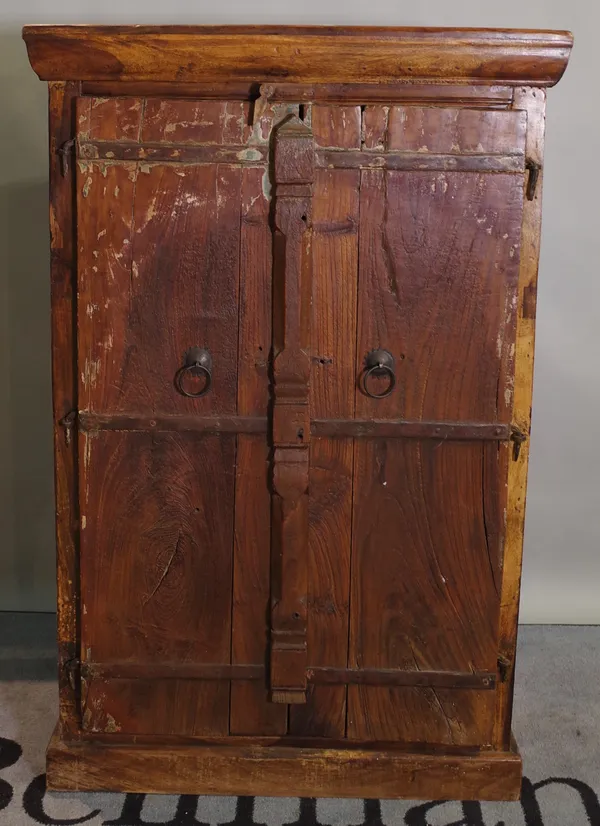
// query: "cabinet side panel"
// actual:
[[156, 568], [251, 710], [332, 380], [64, 388], [533, 101]]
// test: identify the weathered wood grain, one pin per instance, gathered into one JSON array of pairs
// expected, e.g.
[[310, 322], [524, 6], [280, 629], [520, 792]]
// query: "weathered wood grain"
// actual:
[[424, 592], [533, 102], [90, 422], [333, 339], [434, 94], [401, 428], [339, 428], [190, 54], [165, 278], [293, 175], [64, 398], [417, 161], [109, 119], [156, 570], [319, 675], [460, 131], [237, 154], [283, 771], [439, 257], [251, 710]]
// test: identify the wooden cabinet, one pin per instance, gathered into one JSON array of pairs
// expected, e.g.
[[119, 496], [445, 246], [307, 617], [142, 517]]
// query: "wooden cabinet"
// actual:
[[293, 280]]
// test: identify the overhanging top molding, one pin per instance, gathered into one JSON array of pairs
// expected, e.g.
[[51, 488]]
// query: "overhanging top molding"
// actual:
[[198, 54]]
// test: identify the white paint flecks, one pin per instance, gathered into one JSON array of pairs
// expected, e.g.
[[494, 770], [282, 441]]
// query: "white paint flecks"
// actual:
[[91, 371], [249, 155]]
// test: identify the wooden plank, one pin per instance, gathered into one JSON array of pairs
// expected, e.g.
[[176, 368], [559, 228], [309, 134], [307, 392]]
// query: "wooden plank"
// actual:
[[456, 131], [333, 340], [64, 394], [415, 93], [173, 671], [156, 570], [424, 593], [439, 258], [357, 93], [297, 54], [293, 174], [109, 119], [282, 771], [533, 102], [194, 121]]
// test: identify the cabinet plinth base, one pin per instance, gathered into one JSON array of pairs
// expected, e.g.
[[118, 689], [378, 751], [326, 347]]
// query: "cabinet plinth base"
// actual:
[[281, 771]]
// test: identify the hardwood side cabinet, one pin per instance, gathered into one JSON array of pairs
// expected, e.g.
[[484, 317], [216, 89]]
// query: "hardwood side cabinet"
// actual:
[[293, 294]]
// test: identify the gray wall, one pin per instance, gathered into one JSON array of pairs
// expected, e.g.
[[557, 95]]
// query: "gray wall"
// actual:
[[562, 559]]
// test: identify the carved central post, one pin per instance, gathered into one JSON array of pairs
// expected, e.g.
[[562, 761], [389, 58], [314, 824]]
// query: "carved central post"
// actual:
[[294, 163]]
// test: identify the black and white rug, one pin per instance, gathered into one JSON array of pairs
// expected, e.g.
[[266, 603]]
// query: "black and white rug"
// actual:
[[557, 724]]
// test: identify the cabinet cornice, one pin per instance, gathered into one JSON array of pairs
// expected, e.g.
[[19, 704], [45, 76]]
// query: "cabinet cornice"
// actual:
[[192, 54]]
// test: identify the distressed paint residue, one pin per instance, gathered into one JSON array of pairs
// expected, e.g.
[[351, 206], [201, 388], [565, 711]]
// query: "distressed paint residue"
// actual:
[[87, 456], [111, 726], [249, 155], [91, 371]]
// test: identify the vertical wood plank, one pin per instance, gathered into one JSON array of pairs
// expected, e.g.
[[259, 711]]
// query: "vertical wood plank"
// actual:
[[332, 381], [110, 119], [294, 175], [251, 710], [194, 121], [64, 394], [532, 101]]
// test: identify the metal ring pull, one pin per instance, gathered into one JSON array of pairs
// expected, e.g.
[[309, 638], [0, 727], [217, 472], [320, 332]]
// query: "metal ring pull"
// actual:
[[198, 362], [379, 363]]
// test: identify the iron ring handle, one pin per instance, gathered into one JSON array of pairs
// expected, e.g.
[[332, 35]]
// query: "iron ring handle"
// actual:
[[197, 359], [379, 363]]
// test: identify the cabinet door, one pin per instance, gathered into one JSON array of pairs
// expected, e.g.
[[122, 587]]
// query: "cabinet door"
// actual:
[[417, 216], [173, 254]]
